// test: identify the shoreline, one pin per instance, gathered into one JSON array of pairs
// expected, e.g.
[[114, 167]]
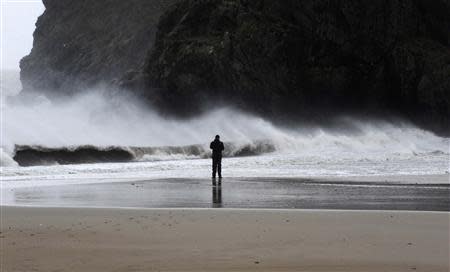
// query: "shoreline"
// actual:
[[105, 239], [438, 179], [414, 179], [224, 210], [246, 193]]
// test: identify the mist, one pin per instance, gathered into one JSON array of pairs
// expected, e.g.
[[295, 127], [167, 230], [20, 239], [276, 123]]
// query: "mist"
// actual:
[[100, 119]]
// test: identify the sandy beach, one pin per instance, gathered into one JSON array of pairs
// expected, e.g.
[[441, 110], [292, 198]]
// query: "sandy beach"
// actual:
[[93, 239]]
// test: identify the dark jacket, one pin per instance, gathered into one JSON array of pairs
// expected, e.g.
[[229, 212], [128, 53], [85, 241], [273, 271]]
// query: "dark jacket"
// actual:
[[217, 148]]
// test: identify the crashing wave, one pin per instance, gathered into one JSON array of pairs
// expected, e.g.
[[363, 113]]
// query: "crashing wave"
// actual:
[[26, 155], [5, 159]]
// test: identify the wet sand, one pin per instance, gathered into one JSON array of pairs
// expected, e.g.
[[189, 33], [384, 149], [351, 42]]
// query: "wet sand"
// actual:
[[70, 232], [90, 239], [399, 179], [386, 193]]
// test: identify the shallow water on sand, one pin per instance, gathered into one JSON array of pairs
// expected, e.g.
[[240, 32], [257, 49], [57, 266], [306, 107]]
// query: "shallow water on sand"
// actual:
[[238, 193]]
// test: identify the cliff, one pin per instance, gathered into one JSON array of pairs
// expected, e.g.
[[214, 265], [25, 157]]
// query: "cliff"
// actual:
[[78, 44], [286, 59]]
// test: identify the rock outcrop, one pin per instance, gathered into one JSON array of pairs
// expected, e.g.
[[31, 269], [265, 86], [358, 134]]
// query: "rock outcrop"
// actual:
[[285, 59], [307, 58], [79, 44]]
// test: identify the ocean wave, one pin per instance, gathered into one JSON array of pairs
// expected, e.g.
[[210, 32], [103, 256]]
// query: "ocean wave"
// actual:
[[93, 127], [33, 155], [6, 160]]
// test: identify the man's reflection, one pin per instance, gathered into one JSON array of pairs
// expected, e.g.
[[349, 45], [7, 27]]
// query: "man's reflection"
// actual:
[[217, 193]]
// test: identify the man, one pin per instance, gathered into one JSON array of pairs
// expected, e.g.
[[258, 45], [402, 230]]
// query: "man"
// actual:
[[217, 148]]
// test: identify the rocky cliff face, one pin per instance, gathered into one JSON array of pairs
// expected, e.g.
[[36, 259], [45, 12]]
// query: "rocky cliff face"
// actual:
[[283, 59], [78, 44], [307, 58]]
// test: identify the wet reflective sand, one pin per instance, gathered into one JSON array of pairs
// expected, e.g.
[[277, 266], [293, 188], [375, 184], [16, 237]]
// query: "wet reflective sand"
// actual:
[[238, 193]]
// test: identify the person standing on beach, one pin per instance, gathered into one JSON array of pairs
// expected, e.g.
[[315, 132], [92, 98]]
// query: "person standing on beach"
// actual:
[[217, 148]]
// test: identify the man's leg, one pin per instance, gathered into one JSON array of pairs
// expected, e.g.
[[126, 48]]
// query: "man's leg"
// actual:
[[219, 167], [214, 167]]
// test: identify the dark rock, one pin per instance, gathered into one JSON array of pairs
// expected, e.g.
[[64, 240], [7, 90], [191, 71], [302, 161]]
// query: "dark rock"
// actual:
[[290, 59], [306, 58], [79, 44]]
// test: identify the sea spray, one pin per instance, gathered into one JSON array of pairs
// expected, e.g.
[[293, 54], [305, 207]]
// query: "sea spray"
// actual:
[[99, 119]]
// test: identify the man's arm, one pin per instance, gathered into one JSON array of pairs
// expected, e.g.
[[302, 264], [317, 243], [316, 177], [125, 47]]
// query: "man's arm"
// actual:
[[211, 145], [222, 147]]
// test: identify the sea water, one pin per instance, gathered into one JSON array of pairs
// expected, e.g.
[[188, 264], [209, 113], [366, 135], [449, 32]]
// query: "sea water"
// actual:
[[354, 147]]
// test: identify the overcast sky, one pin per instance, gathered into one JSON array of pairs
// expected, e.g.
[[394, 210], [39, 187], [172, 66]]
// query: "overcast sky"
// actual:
[[18, 19]]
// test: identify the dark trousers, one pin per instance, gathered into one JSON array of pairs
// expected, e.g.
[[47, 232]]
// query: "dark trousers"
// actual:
[[216, 166]]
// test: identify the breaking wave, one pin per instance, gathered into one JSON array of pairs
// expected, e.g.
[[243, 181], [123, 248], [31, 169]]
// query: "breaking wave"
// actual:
[[39, 155], [100, 127]]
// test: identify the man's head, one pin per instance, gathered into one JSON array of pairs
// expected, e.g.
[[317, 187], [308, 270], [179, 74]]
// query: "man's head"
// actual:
[[217, 137]]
